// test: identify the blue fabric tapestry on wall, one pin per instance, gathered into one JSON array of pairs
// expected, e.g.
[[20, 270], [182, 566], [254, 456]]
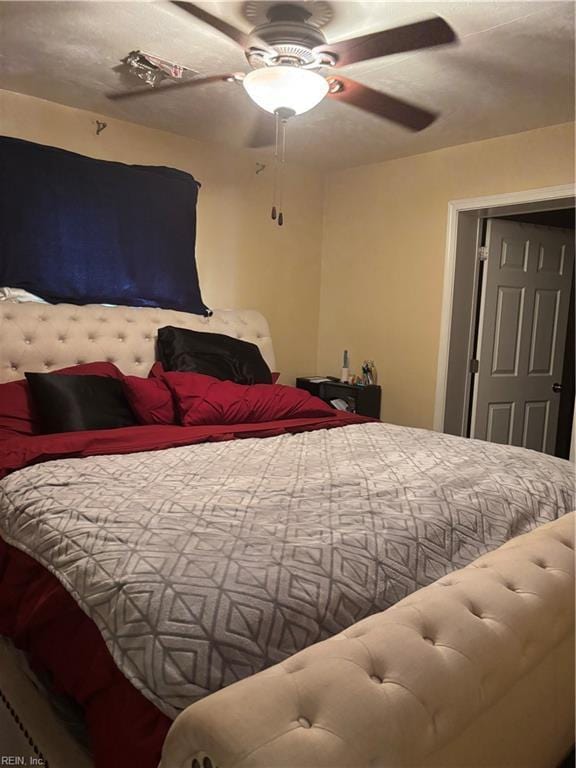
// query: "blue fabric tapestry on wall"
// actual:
[[74, 229]]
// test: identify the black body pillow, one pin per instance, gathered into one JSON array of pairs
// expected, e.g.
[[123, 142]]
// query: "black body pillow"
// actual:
[[77, 403], [213, 354]]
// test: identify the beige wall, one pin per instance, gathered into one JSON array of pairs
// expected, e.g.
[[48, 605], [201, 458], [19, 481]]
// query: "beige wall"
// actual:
[[244, 259], [383, 254]]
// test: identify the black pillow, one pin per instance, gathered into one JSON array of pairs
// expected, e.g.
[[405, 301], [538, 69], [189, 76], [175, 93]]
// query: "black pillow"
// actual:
[[213, 354], [75, 403]]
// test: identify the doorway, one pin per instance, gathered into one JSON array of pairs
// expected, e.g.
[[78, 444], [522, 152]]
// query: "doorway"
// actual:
[[506, 362]]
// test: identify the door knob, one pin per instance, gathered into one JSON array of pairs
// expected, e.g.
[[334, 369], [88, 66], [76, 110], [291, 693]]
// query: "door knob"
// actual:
[[556, 387]]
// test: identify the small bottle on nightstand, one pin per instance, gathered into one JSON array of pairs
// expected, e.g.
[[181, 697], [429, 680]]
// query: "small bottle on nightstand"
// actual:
[[344, 376]]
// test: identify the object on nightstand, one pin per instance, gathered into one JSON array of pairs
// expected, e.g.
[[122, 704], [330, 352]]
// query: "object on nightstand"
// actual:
[[345, 368], [369, 372]]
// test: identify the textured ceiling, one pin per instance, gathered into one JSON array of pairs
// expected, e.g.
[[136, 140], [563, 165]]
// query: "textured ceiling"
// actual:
[[512, 71]]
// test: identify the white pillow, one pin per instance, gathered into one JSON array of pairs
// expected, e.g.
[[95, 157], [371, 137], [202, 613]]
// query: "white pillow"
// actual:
[[19, 295]]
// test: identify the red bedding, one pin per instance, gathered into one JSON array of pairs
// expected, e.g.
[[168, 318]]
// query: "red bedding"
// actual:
[[205, 400], [39, 615], [44, 620]]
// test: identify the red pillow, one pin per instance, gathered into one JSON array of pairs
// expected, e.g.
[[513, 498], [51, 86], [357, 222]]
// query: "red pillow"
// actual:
[[16, 411], [157, 370], [150, 399], [203, 399]]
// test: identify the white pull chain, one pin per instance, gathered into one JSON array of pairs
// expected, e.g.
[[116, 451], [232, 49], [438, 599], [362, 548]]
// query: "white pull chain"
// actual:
[[281, 116], [275, 186], [283, 124]]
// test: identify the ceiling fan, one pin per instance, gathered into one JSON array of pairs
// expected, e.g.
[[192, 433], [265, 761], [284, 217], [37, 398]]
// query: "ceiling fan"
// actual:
[[287, 55]]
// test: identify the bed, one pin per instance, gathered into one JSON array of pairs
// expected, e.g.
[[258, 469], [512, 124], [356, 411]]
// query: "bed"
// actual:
[[166, 574]]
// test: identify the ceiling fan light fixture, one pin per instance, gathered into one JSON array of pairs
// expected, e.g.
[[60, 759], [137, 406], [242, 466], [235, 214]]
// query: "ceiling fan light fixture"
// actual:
[[285, 87]]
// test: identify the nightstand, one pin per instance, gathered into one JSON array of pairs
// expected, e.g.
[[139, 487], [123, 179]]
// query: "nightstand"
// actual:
[[361, 399]]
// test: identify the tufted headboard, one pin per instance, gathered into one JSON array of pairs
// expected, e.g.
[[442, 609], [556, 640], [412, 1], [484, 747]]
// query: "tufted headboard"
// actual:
[[45, 337]]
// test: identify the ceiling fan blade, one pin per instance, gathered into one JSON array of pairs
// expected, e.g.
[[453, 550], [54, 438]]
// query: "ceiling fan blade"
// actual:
[[410, 37], [151, 91], [380, 104], [263, 132], [243, 39]]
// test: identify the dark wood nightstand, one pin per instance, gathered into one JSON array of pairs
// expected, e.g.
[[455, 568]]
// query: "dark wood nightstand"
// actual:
[[361, 399]]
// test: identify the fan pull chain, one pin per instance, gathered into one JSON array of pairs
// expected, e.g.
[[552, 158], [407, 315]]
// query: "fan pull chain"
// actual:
[[276, 152], [283, 124], [281, 115]]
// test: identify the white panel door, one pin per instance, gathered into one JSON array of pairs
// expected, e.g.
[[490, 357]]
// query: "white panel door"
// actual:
[[523, 321]]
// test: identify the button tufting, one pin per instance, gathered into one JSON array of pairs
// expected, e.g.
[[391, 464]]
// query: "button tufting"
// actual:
[[304, 722], [376, 679], [27, 341], [428, 640]]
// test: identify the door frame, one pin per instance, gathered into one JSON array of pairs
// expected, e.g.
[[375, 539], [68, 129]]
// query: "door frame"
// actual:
[[460, 242]]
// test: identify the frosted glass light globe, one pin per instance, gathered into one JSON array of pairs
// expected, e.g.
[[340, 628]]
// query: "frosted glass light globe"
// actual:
[[284, 87]]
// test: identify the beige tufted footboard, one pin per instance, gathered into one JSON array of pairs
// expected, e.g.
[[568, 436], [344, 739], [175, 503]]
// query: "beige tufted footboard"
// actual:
[[474, 670]]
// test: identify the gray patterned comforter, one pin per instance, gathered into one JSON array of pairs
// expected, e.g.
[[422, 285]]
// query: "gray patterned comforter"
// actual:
[[204, 564]]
